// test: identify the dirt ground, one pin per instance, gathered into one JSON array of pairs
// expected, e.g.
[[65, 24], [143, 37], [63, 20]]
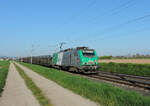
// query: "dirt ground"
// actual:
[[15, 91], [58, 95], [139, 61]]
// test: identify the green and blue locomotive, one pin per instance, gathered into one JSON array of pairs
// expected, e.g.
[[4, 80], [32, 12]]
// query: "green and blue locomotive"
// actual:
[[80, 59]]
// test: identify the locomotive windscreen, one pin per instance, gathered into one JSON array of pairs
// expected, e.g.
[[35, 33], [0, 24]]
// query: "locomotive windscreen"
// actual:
[[88, 53]]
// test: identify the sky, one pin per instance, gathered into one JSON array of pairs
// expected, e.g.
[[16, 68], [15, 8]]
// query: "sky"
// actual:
[[111, 27]]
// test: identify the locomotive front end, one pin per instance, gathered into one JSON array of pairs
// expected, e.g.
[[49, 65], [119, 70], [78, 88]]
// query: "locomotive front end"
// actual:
[[88, 60]]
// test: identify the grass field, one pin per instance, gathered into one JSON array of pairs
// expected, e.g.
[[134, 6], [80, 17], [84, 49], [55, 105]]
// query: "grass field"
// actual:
[[4, 65], [126, 68], [35, 90], [138, 61], [102, 93]]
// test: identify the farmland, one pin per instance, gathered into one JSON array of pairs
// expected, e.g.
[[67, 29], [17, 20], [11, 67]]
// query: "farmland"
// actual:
[[4, 65], [140, 67], [137, 61], [101, 93]]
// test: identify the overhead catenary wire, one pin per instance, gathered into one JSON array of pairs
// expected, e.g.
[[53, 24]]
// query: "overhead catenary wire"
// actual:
[[104, 34], [133, 32], [119, 26], [79, 13], [73, 17], [115, 10], [125, 23]]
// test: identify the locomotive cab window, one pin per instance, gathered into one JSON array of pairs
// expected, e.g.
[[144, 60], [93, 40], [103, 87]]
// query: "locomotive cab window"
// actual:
[[88, 53]]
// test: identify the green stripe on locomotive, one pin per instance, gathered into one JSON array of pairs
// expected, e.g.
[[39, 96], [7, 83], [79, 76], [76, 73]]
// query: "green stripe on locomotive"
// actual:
[[88, 60], [55, 58]]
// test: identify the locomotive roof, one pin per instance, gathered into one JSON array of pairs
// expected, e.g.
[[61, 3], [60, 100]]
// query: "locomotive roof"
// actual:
[[77, 48]]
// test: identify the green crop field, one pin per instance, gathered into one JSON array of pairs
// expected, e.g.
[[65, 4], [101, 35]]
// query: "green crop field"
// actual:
[[126, 68], [102, 93], [4, 65]]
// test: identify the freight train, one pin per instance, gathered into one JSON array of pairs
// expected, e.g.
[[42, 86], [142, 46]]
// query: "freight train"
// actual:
[[80, 59]]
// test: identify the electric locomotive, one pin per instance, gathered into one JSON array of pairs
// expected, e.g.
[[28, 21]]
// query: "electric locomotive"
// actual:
[[80, 59]]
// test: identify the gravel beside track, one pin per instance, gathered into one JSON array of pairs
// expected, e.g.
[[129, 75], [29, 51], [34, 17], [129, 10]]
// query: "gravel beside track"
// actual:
[[15, 91], [58, 95]]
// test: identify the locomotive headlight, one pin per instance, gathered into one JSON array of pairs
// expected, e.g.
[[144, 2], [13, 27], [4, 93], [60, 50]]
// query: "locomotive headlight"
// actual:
[[84, 63]]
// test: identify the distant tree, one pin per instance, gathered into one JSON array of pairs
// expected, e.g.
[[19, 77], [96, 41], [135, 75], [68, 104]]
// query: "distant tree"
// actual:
[[105, 57]]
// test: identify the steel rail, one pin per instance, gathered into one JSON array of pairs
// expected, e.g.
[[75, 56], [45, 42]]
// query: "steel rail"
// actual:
[[126, 75], [122, 80]]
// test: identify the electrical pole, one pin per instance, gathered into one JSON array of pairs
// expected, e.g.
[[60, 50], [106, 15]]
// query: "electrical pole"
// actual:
[[33, 47], [31, 54], [61, 45]]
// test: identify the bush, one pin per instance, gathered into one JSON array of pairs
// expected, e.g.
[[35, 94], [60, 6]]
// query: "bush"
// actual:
[[105, 57]]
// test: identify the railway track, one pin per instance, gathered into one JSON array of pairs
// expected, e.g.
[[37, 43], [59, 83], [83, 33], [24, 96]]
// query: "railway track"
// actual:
[[131, 80]]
